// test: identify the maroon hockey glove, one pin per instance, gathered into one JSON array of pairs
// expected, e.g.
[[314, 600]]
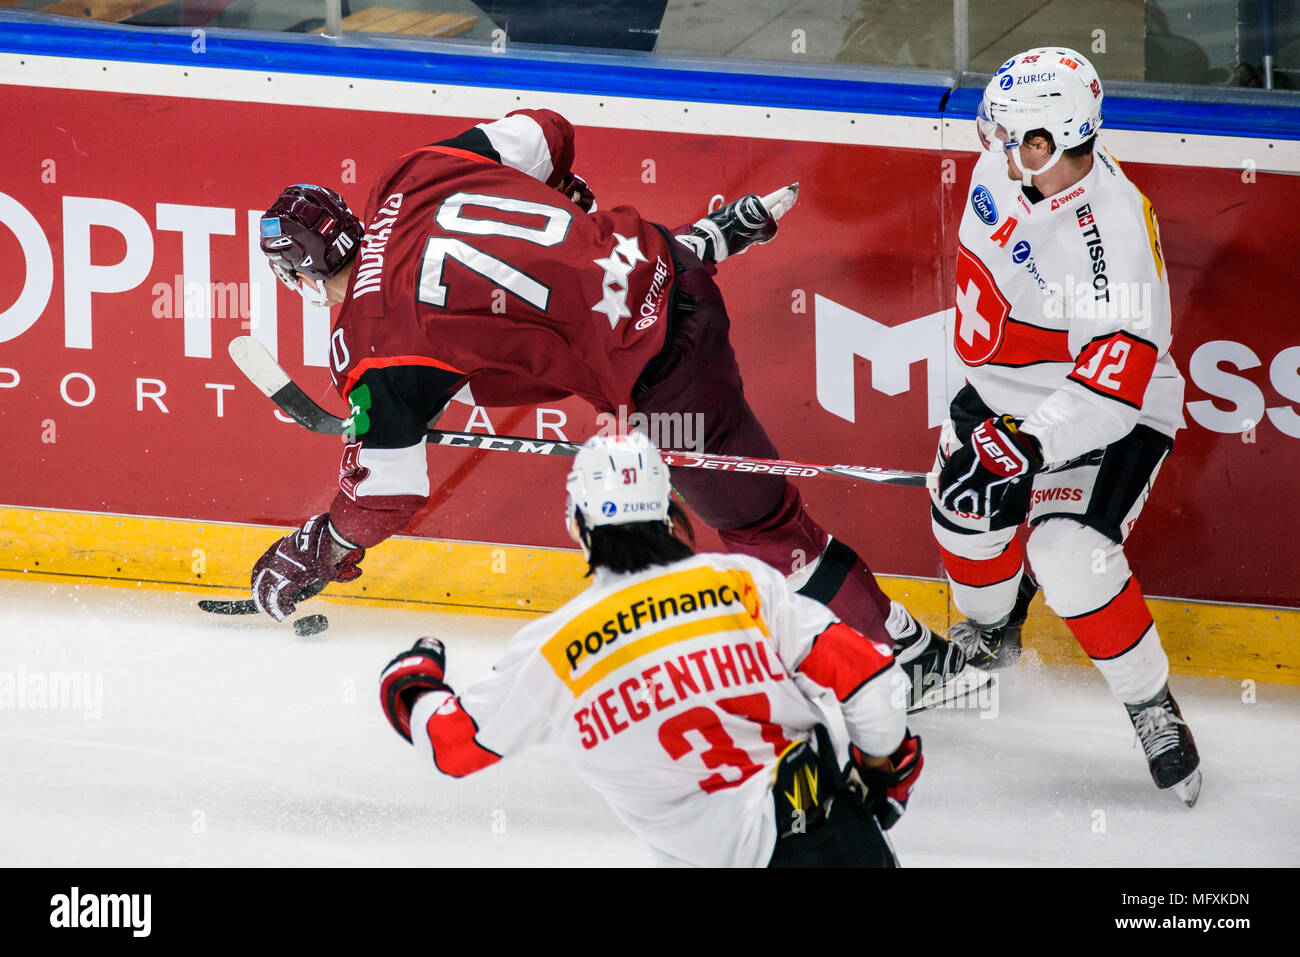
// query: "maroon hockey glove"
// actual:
[[409, 675], [299, 560], [977, 476], [576, 188], [885, 790]]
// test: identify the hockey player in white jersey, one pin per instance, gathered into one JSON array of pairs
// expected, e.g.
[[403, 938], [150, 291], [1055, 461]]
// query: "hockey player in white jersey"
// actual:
[[1072, 398], [692, 691]]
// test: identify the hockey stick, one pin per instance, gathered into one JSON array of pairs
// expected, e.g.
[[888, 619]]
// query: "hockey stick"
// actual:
[[264, 372], [246, 606]]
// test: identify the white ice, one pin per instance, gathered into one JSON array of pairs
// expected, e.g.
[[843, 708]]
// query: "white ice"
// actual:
[[223, 741]]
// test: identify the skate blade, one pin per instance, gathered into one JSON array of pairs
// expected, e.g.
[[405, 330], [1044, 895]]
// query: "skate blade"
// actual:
[[1189, 788], [956, 689]]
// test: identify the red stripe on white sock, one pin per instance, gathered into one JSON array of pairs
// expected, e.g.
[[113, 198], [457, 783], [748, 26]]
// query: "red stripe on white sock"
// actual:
[[1116, 626]]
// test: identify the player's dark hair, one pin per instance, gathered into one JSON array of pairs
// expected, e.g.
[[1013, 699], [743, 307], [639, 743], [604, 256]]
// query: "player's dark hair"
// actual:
[[637, 546], [1073, 153]]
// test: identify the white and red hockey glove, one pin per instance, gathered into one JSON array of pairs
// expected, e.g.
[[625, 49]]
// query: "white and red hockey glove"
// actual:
[[885, 788], [749, 221], [408, 676], [977, 476], [299, 560]]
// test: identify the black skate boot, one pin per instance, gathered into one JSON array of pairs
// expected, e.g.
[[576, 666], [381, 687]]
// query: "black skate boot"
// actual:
[[935, 666], [1167, 741], [996, 646]]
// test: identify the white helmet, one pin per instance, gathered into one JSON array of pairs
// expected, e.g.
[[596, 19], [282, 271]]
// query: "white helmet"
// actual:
[[616, 480], [1048, 88]]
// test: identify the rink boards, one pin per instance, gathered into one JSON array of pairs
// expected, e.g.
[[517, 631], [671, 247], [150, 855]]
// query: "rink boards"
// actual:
[[138, 453]]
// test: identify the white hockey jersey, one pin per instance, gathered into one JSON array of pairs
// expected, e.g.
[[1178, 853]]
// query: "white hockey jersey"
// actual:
[[1063, 314], [674, 691]]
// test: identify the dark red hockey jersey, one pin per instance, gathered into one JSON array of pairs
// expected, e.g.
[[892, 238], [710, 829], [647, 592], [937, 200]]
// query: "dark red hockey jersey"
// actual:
[[474, 264], [476, 271]]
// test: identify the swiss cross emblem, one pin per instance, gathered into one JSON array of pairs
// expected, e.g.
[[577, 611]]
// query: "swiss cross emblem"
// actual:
[[982, 311]]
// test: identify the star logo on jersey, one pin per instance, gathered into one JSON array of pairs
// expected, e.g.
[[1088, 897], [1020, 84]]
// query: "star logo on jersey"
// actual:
[[982, 310], [618, 266]]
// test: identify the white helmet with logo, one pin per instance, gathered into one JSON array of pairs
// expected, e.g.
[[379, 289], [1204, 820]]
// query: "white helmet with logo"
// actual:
[[616, 480], [1048, 88]]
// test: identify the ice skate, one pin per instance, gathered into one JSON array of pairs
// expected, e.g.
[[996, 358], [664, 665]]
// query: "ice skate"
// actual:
[[936, 667], [992, 647], [1167, 741]]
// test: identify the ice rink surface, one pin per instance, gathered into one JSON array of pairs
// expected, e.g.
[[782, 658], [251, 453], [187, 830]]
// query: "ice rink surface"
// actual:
[[227, 741]]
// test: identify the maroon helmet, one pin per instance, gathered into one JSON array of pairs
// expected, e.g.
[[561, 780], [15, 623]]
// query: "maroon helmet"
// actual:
[[309, 230]]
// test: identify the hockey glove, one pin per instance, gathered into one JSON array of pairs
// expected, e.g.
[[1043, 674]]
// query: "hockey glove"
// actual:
[[576, 188], [885, 790], [735, 227], [298, 560], [977, 476], [409, 675]]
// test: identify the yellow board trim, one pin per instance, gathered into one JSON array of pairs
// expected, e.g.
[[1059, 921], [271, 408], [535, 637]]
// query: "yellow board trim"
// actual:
[[1202, 638]]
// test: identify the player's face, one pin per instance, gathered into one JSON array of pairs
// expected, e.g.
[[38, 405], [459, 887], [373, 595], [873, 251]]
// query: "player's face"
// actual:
[[1013, 167]]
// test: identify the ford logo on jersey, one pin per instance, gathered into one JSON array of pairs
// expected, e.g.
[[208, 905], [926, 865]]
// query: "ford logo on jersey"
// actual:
[[982, 202], [1007, 81], [1021, 252], [608, 509]]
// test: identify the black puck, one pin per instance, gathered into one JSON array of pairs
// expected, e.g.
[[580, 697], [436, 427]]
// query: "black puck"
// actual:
[[310, 625]]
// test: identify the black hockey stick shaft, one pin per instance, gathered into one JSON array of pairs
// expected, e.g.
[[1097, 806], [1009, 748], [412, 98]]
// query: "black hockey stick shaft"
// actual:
[[264, 372]]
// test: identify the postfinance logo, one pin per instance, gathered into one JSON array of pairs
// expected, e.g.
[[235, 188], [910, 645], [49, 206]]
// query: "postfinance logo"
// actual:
[[651, 615]]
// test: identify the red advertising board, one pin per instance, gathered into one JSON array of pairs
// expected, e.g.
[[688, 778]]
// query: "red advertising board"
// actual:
[[125, 228]]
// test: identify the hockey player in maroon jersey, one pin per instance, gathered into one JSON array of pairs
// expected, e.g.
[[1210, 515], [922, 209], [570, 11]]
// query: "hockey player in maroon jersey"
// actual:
[[690, 690], [1072, 398], [482, 265]]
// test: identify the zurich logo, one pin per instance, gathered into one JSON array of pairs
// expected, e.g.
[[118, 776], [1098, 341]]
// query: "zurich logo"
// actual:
[[1007, 81], [608, 509], [982, 202], [1084, 127], [1021, 252], [1007, 66]]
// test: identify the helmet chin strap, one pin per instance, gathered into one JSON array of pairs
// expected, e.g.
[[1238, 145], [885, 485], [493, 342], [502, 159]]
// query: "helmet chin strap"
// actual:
[[1027, 174], [313, 295]]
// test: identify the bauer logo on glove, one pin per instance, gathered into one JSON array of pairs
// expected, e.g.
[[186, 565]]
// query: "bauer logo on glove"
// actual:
[[978, 475]]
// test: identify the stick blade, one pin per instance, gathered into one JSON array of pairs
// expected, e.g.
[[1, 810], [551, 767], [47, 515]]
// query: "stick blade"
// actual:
[[257, 363]]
